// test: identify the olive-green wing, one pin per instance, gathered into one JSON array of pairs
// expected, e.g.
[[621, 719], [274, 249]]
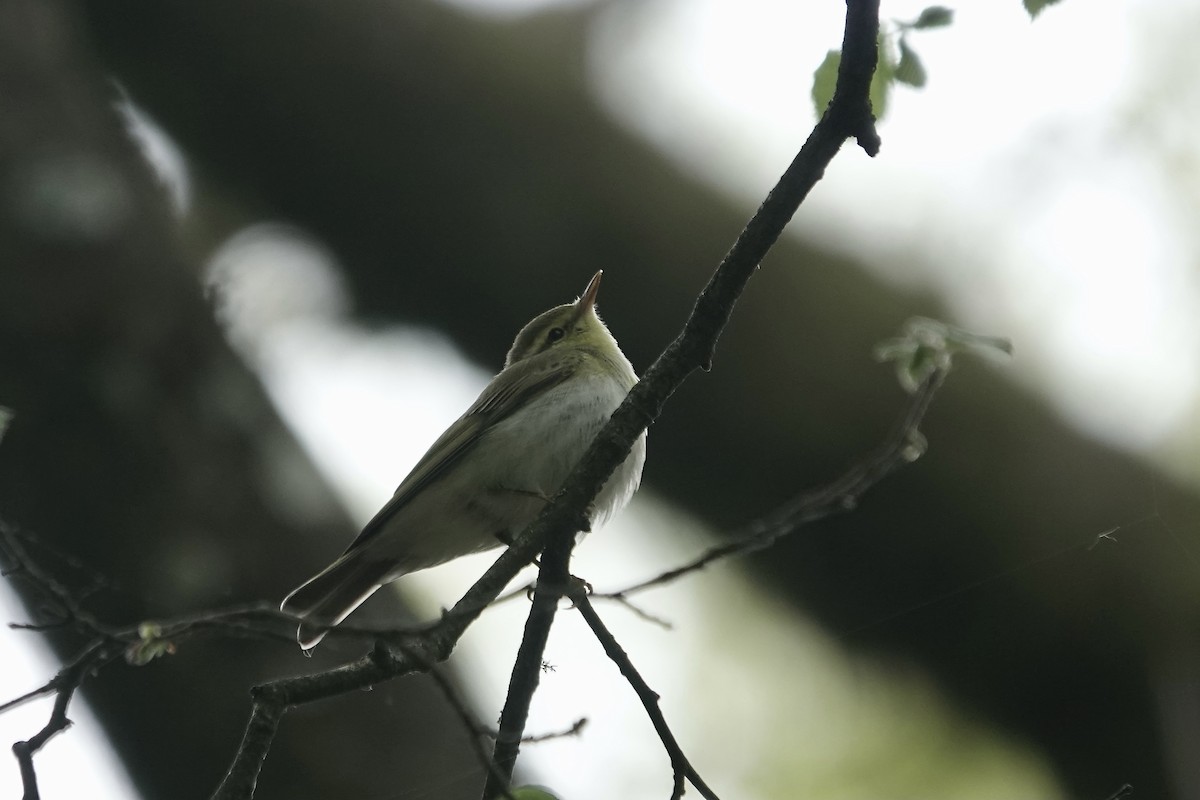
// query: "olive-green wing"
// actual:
[[521, 382]]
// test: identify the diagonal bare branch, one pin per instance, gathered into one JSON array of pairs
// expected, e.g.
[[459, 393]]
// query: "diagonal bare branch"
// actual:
[[679, 762], [400, 653], [839, 496], [527, 668]]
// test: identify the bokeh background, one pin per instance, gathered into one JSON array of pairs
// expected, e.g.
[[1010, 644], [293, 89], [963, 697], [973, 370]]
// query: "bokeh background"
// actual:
[[256, 256]]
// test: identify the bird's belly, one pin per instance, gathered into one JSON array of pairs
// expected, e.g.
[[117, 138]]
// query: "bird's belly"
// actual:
[[458, 520], [541, 445]]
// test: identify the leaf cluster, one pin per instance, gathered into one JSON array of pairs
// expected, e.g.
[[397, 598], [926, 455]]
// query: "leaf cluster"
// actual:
[[898, 61]]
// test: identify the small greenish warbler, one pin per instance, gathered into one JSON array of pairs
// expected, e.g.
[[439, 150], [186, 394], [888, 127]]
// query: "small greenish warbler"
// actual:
[[486, 478]]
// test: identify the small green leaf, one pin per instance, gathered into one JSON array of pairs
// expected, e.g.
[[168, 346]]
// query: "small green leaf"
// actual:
[[825, 81], [1035, 7], [926, 346], [915, 446], [532, 793], [148, 646], [910, 70], [934, 17]]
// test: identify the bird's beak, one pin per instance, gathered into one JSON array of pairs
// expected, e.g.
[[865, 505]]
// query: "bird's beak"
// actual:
[[588, 299]]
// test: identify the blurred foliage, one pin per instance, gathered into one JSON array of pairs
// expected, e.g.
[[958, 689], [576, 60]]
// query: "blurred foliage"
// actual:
[[1035, 7], [898, 62], [465, 177], [532, 793], [926, 345]]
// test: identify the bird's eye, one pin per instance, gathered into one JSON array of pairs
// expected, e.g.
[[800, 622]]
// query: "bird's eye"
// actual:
[[555, 334]]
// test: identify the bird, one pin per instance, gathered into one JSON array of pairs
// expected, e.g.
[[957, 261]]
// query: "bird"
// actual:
[[494, 469]]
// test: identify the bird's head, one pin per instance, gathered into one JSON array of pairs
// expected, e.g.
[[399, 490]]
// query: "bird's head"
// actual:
[[564, 328]]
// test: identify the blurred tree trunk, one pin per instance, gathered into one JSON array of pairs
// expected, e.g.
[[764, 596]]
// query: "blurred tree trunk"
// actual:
[[142, 446], [462, 173]]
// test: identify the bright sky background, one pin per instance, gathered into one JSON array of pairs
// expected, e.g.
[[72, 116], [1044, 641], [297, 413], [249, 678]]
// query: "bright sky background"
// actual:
[[1015, 180], [1018, 182], [1034, 182]]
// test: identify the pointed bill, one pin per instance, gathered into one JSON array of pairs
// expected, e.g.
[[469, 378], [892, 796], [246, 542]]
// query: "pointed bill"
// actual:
[[588, 298]]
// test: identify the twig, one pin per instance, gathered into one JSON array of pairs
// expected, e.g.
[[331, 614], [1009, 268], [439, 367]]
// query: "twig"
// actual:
[[67, 678], [836, 497], [95, 579], [848, 115], [576, 728], [621, 599], [477, 731], [1124, 791], [12, 544], [64, 684], [392, 656], [474, 729], [520, 591], [527, 668], [103, 649], [679, 762], [265, 714]]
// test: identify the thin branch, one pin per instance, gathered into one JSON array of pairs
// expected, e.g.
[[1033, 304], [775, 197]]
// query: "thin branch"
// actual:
[[67, 607], [521, 591], [576, 729], [265, 714], [679, 762], [95, 579], [553, 576], [67, 678], [621, 599], [64, 685], [836, 497], [477, 731], [1125, 791], [474, 730], [848, 115]]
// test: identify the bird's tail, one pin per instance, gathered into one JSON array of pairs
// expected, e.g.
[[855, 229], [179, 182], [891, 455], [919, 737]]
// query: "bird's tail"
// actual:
[[328, 597]]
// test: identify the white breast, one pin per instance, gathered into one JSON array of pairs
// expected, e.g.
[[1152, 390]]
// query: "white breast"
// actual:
[[544, 441]]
